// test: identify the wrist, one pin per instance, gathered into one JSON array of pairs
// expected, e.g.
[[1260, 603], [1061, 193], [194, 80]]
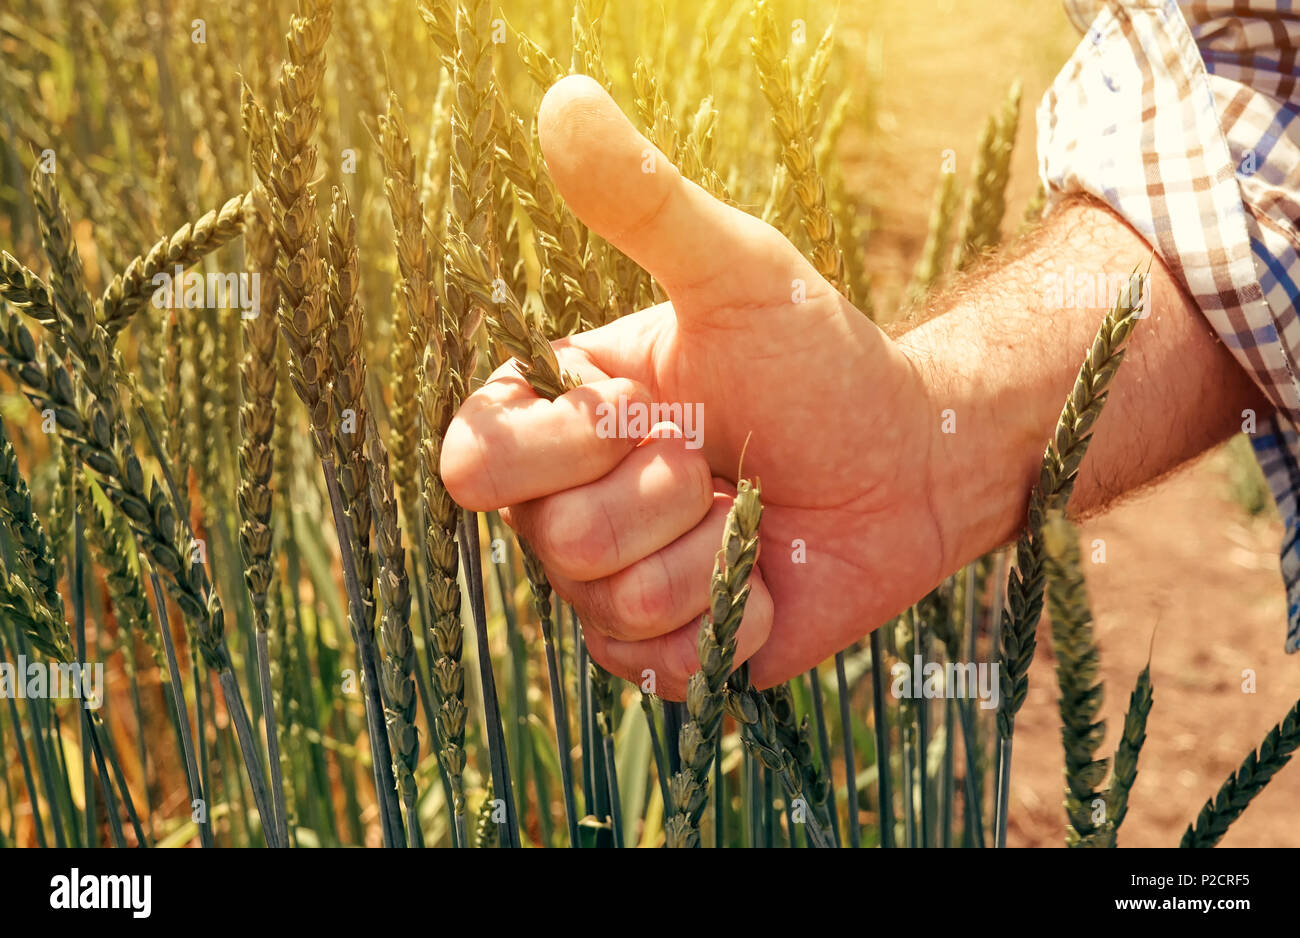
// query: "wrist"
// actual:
[[985, 437], [998, 365]]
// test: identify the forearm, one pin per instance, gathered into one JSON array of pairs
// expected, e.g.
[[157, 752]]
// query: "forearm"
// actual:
[[1003, 353]]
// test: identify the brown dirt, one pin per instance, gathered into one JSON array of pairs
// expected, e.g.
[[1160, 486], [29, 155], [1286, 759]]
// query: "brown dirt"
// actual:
[[1186, 565]]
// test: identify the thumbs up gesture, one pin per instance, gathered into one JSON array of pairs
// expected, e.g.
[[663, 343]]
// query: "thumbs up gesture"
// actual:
[[765, 358]]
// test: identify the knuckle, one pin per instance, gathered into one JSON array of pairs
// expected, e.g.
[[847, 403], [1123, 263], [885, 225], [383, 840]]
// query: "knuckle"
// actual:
[[465, 467], [640, 596], [596, 609], [680, 657], [575, 536]]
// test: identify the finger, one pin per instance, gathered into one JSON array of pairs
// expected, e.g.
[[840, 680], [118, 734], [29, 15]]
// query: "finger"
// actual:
[[622, 187], [506, 445], [659, 492], [672, 658], [657, 594]]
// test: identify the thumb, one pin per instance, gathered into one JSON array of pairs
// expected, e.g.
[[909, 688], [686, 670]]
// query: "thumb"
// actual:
[[704, 252]]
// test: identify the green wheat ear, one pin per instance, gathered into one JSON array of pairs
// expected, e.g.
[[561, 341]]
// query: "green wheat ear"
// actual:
[[1125, 762], [29, 590], [1056, 480], [1236, 794], [716, 646], [1078, 661]]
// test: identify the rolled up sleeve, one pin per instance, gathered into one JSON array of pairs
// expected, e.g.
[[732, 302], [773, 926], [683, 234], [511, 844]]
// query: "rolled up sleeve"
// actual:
[[1181, 117]]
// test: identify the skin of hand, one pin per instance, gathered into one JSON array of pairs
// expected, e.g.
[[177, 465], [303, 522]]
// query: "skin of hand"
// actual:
[[868, 503]]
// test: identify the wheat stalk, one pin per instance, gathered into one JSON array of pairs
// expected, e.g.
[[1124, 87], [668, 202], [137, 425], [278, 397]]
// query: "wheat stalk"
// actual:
[[986, 193], [395, 640], [1060, 469], [258, 373], [796, 147], [728, 593], [796, 738], [31, 596], [570, 283], [257, 415], [417, 316], [930, 266], [1077, 665], [1241, 787], [31, 591], [604, 698], [541, 592], [130, 290], [753, 712], [1125, 762]]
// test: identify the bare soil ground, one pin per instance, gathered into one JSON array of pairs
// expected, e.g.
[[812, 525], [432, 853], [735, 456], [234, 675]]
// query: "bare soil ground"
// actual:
[[1184, 563], [1191, 577]]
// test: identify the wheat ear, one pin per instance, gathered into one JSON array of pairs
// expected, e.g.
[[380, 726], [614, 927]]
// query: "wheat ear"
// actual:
[[450, 358], [1077, 663], [23, 289], [130, 290], [32, 590], [1125, 762], [351, 466], [753, 712], [541, 67], [796, 738], [75, 327], [417, 315], [1236, 794], [1060, 469], [716, 646], [487, 832], [395, 640], [796, 147], [286, 166], [421, 399], [115, 546], [986, 193], [930, 267], [570, 282], [258, 371]]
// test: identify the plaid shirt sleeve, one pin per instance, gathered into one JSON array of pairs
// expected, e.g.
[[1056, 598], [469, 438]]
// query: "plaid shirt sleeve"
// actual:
[[1181, 116]]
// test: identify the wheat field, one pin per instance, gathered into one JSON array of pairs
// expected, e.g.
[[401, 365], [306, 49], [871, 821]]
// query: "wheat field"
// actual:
[[256, 255]]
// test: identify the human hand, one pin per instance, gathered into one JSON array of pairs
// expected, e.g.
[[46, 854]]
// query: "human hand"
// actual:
[[835, 415]]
